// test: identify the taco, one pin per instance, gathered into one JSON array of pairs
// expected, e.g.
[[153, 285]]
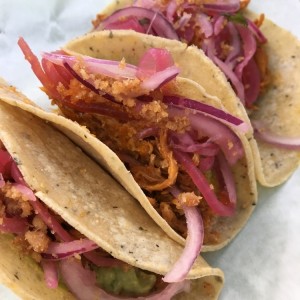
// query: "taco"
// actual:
[[250, 50], [68, 230], [184, 155]]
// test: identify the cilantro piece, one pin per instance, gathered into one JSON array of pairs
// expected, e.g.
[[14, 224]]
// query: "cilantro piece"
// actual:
[[237, 18]]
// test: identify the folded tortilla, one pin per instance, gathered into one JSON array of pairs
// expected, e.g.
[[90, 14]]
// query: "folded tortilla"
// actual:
[[224, 228], [73, 186], [278, 106]]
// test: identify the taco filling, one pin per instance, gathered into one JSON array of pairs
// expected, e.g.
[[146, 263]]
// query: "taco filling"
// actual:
[[63, 252], [180, 151], [220, 28]]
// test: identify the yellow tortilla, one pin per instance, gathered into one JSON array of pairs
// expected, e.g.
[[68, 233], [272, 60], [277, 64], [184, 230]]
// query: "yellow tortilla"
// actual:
[[76, 188], [278, 108]]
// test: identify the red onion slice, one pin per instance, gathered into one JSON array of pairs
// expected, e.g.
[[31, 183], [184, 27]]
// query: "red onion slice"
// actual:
[[237, 84], [2, 181], [98, 108], [216, 131], [249, 47], [205, 149], [236, 47], [51, 221], [160, 78], [154, 60], [81, 282], [147, 132], [203, 185], [25, 191], [131, 23], [228, 178], [105, 67], [205, 24], [50, 273], [161, 25], [185, 143], [167, 293], [257, 32], [59, 251], [206, 163], [221, 135], [230, 6], [5, 162], [192, 247], [251, 81], [263, 133], [155, 68], [222, 7], [170, 10], [219, 25], [216, 113], [15, 225]]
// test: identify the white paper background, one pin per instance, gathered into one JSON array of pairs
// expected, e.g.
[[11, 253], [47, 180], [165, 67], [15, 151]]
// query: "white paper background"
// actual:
[[263, 262]]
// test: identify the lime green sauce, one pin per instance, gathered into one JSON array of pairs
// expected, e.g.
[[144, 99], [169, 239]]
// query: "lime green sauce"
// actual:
[[125, 281]]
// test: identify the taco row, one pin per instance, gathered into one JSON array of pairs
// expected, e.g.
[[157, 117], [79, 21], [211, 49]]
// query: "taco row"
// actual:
[[166, 122]]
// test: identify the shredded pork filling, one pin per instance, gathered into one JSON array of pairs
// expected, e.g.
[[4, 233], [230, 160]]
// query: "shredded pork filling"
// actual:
[[150, 159]]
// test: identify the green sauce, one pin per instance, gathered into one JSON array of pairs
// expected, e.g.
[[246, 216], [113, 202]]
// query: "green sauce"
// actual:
[[128, 282]]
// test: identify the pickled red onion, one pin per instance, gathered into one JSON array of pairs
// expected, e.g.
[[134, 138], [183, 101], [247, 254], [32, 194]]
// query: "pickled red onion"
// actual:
[[216, 113], [5, 162], [222, 6], [203, 185], [2, 181], [228, 178], [192, 247], [50, 221], [50, 273], [63, 250], [15, 225], [25, 191], [161, 25], [262, 132]]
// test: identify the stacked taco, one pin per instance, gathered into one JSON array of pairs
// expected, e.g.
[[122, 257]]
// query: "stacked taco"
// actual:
[[251, 55], [68, 230]]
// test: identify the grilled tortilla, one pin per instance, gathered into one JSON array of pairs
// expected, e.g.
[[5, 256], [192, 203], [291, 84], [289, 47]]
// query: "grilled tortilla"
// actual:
[[72, 186]]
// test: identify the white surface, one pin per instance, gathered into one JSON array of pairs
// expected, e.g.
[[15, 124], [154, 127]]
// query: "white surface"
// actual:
[[263, 262]]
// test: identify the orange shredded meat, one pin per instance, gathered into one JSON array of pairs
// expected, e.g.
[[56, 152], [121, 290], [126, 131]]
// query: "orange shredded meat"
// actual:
[[259, 21], [173, 167], [244, 3]]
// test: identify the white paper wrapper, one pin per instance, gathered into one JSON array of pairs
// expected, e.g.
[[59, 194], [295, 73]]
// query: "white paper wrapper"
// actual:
[[263, 262]]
